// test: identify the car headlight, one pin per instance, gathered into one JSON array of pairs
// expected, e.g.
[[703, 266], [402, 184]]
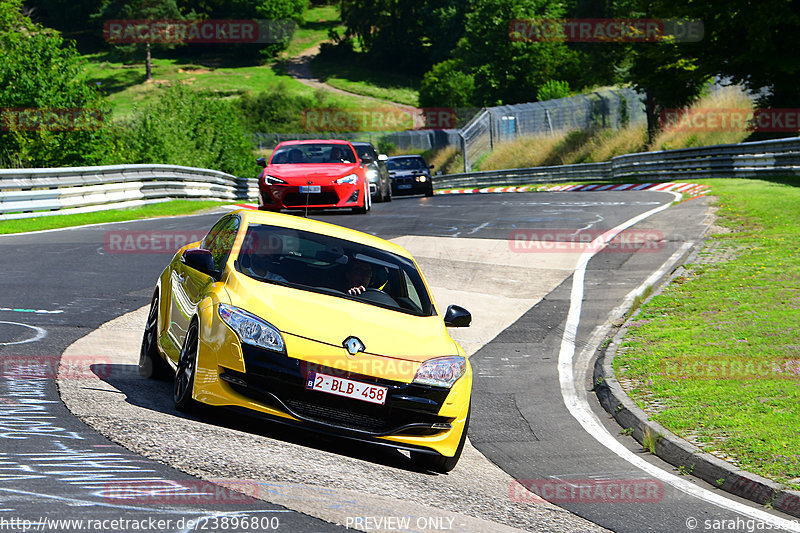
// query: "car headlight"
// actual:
[[350, 178], [372, 174], [441, 372], [272, 180], [422, 179], [251, 329]]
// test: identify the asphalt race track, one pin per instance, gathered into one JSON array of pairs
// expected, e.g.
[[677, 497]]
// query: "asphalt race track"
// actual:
[[493, 253]]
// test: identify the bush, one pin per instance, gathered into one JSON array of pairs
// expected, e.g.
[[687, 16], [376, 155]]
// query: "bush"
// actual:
[[41, 74], [445, 85], [186, 128], [276, 110], [553, 89]]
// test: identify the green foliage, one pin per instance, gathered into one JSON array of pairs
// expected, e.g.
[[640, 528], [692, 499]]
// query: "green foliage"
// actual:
[[506, 70], [553, 89], [39, 73], [277, 110], [186, 128], [446, 85], [409, 35]]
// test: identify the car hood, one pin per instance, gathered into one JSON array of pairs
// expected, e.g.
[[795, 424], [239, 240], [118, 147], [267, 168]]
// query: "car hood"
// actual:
[[318, 173], [331, 320]]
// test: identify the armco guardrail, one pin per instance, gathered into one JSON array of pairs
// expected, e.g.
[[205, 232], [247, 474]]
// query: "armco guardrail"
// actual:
[[26, 193], [744, 160]]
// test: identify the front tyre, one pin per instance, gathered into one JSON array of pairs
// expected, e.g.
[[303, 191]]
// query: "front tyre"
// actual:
[[440, 463], [151, 365], [184, 375]]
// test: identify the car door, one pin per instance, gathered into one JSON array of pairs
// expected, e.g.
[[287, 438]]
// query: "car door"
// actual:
[[189, 286]]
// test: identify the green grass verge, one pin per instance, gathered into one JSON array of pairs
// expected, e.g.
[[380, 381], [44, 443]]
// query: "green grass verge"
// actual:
[[716, 357], [317, 22], [365, 80], [171, 208]]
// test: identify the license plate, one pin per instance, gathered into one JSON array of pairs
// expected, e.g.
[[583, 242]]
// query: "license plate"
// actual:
[[310, 188], [346, 387], [404, 186]]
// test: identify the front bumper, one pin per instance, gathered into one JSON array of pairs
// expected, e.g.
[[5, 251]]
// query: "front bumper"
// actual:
[[272, 385], [274, 197], [409, 185]]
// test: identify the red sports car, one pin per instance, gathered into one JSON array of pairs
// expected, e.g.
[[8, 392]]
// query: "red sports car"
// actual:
[[316, 174]]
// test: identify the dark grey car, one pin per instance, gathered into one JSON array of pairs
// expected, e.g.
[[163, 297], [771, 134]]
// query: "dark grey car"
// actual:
[[380, 184], [410, 175]]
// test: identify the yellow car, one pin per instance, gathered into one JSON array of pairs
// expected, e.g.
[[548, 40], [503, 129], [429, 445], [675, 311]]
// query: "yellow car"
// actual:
[[316, 325]]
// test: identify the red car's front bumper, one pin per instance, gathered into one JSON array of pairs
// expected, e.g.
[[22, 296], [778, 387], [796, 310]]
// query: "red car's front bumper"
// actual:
[[274, 197]]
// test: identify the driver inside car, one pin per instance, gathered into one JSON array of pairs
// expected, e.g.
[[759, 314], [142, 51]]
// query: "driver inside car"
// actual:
[[264, 251], [357, 277]]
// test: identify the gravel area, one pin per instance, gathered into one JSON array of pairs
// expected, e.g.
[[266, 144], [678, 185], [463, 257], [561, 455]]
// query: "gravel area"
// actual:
[[332, 479]]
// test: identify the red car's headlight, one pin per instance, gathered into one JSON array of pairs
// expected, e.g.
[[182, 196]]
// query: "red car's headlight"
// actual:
[[350, 178], [272, 180]]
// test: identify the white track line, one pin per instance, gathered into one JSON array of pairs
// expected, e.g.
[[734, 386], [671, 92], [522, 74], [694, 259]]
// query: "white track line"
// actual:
[[580, 409]]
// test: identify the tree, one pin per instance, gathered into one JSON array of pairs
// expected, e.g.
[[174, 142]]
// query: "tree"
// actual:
[[137, 10], [446, 85], [510, 70], [410, 35], [752, 43], [41, 83]]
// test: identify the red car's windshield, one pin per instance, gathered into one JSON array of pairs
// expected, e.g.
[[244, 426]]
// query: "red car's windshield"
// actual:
[[313, 153]]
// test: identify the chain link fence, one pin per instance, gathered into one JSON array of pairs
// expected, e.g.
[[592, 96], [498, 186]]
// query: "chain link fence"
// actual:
[[612, 108]]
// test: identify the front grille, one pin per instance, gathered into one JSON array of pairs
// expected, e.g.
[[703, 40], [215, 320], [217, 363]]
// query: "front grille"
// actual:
[[321, 198], [341, 417]]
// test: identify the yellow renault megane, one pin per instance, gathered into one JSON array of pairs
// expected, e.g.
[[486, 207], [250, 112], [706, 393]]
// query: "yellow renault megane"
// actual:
[[316, 325]]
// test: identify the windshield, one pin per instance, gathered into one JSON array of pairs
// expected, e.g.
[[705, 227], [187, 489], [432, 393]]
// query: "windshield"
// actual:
[[405, 163], [365, 152], [313, 153], [323, 264]]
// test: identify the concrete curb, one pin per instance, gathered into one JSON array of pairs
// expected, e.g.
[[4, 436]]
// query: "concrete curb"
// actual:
[[675, 450]]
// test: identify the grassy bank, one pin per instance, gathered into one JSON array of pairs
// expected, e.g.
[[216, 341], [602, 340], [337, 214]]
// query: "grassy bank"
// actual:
[[715, 358], [591, 146], [171, 208]]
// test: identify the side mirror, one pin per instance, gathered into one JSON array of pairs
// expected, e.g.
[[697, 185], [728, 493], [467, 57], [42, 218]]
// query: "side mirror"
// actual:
[[382, 157], [262, 162], [430, 166], [201, 260], [457, 317]]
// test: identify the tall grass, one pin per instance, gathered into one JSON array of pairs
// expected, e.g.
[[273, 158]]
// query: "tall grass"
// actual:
[[590, 146], [729, 98]]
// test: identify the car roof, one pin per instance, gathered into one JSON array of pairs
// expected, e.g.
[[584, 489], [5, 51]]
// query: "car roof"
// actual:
[[314, 141], [406, 157], [252, 216]]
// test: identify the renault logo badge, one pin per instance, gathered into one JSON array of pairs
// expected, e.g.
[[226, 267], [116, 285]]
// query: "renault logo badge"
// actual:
[[353, 345]]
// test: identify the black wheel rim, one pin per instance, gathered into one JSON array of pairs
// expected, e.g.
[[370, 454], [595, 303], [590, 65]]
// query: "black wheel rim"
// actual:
[[186, 363], [149, 332]]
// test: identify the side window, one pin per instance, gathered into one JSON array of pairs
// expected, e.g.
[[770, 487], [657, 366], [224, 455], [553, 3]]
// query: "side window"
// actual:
[[221, 242]]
